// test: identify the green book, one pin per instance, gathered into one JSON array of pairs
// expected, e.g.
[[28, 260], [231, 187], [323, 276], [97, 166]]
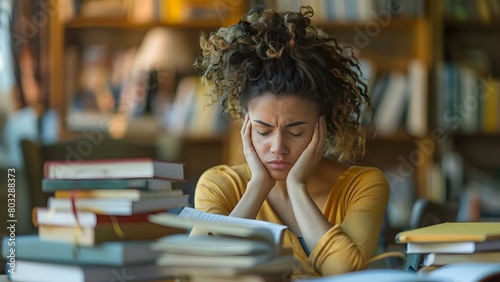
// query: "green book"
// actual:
[[51, 185], [31, 247]]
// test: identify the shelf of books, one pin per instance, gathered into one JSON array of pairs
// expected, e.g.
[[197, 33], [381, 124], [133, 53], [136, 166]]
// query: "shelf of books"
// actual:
[[468, 105], [119, 65]]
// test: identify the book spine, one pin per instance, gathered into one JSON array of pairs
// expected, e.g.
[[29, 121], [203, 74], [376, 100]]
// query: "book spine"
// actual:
[[51, 185]]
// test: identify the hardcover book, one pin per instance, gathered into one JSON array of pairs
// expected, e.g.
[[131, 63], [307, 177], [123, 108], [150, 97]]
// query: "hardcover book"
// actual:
[[444, 259], [452, 232], [468, 247], [118, 206], [51, 272], [51, 185], [113, 169], [132, 194], [44, 216], [117, 253], [91, 236]]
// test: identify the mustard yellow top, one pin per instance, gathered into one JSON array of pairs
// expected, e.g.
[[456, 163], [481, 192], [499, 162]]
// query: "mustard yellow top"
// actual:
[[355, 207]]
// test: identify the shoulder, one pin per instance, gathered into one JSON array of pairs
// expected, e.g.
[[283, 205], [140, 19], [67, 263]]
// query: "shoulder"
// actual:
[[349, 173], [365, 172], [219, 188], [225, 178], [221, 172], [366, 177]]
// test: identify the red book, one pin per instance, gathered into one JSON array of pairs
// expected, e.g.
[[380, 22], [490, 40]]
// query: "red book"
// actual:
[[44, 216], [85, 228]]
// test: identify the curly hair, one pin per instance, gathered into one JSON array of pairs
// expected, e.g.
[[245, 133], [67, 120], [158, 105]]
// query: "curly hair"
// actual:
[[284, 54]]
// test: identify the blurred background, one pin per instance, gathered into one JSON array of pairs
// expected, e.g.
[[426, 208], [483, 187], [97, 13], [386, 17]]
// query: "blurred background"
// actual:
[[95, 71]]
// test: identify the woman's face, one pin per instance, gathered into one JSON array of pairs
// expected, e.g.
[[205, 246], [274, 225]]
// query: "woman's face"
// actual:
[[282, 127]]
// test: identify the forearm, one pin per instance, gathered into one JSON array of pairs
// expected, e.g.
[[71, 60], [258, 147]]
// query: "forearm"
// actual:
[[251, 201], [310, 219]]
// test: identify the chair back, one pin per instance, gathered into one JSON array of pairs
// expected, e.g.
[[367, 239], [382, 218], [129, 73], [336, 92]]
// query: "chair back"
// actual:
[[425, 213]]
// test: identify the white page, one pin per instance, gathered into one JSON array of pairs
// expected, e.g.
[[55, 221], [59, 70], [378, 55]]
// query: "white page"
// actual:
[[223, 225]]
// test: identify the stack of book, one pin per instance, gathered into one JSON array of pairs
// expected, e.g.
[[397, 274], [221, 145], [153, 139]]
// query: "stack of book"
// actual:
[[222, 248], [95, 227], [454, 242]]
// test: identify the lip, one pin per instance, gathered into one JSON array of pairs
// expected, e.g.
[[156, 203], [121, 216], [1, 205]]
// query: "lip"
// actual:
[[278, 165]]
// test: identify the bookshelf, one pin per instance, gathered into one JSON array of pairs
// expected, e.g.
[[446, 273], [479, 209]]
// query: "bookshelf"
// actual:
[[471, 114], [103, 29], [389, 36]]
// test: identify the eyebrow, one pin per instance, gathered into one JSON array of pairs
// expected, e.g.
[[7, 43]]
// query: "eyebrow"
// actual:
[[288, 125]]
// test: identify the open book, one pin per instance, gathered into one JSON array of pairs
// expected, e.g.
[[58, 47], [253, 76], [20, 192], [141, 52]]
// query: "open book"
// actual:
[[221, 246], [255, 232]]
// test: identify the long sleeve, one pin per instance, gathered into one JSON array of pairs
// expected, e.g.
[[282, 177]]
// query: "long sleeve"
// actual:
[[220, 188], [355, 207], [356, 212]]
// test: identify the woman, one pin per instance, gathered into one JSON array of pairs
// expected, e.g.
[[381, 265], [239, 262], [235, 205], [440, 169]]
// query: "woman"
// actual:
[[302, 99]]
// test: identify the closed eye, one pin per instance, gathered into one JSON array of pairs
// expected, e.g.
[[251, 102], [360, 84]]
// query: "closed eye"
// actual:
[[296, 134], [263, 133]]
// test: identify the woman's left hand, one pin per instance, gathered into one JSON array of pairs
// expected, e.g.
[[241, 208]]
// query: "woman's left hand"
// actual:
[[310, 157]]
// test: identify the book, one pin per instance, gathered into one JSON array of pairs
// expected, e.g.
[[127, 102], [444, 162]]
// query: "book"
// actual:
[[452, 232], [372, 275], [235, 261], [280, 265], [416, 122], [456, 272], [206, 251], [258, 230], [44, 216], [51, 185], [132, 194], [221, 246], [118, 206], [467, 247], [113, 169], [444, 259], [117, 253], [252, 277], [51, 272], [208, 245], [91, 236], [392, 106], [466, 272]]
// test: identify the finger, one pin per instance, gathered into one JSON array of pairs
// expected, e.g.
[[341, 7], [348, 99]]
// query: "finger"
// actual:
[[244, 125], [322, 132], [315, 138], [245, 130], [247, 137]]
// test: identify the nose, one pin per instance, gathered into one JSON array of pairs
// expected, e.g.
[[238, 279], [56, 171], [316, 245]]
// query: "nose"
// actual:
[[279, 146]]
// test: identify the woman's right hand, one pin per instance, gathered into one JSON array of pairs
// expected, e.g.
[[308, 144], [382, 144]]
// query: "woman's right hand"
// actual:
[[260, 175]]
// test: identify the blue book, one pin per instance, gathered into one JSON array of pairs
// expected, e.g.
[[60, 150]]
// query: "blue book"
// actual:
[[116, 253]]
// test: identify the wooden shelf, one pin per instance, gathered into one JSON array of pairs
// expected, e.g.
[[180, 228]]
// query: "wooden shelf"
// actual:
[[472, 25], [394, 24], [123, 23]]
